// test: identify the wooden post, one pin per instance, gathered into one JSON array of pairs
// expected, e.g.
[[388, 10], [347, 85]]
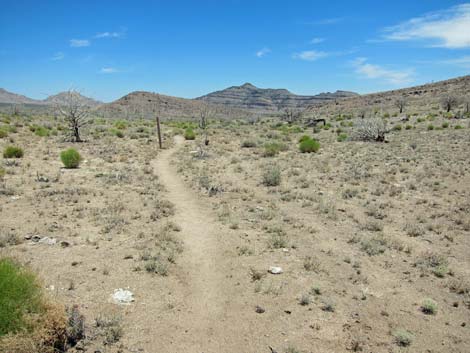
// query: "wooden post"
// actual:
[[159, 132]]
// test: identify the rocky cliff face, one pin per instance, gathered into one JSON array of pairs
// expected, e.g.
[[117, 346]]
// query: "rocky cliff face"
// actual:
[[251, 97]]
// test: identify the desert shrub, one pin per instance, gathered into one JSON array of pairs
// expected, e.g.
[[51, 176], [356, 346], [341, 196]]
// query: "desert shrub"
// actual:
[[120, 125], [429, 306], [273, 148], [2, 173], [430, 127], [403, 338], [304, 138], [70, 158], [458, 127], [189, 134], [248, 144], [408, 127], [397, 127], [445, 125], [272, 176], [3, 134], [305, 300], [374, 245], [118, 133], [21, 301], [13, 152], [41, 131], [342, 137], [370, 130], [309, 145]]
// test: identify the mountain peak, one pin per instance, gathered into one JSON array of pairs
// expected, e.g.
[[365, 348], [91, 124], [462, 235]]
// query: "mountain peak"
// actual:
[[248, 85]]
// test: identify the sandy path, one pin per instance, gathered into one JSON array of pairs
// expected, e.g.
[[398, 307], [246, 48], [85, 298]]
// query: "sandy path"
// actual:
[[199, 324]]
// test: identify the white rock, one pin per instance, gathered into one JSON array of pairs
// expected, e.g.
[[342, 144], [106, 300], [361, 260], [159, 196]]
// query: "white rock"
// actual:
[[275, 270], [123, 296], [47, 240]]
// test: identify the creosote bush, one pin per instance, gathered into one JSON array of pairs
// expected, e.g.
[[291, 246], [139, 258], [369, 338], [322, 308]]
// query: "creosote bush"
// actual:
[[70, 158], [272, 176], [12, 152], [309, 145], [189, 134]]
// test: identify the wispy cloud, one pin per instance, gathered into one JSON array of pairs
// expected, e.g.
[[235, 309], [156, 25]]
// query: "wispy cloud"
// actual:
[[58, 56], [77, 43], [317, 40], [324, 21], [463, 61], [310, 55], [371, 71], [108, 70], [119, 34], [263, 52], [448, 28]]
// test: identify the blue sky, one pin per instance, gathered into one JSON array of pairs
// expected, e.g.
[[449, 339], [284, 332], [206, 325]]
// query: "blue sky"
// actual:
[[107, 49]]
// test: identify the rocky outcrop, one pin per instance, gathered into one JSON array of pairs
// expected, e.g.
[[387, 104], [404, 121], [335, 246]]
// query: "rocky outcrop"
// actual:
[[250, 97]]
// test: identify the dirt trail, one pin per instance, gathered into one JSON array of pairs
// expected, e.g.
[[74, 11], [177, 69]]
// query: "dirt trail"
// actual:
[[199, 325]]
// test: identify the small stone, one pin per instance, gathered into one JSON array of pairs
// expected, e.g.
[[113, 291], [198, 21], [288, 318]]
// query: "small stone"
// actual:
[[123, 296], [275, 270], [259, 309], [36, 238], [48, 241], [64, 244]]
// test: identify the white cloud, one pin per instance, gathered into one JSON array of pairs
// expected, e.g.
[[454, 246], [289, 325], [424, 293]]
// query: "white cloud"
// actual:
[[263, 52], [463, 61], [108, 70], [76, 43], [371, 71], [448, 28], [309, 55], [317, 40], [58, 56], [111, 34]]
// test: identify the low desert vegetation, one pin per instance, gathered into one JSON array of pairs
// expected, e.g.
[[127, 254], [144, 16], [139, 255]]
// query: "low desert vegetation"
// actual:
[[13, 152], [70, 158]]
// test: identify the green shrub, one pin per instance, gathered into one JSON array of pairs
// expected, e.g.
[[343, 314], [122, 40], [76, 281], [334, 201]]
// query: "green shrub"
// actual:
[[309, 145], [458, 127], [403, 338], [119, 134], [272, 176], [272, 149], [397, 127], [445, 125], [121, 125], [3, 134], [430, 127], [342, 137], [41, 131], [408, 127], [189, 134], [70, 158], [12, 152], [304, 138], [20, 295], [429, 306]]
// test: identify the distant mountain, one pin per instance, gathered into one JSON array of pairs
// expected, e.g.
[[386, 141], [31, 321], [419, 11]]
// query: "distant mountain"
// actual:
[[142, 104], [13, 98], [251, 97], [60, 98]]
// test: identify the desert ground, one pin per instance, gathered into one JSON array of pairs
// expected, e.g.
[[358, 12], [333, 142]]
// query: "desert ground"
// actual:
[[372, 238]]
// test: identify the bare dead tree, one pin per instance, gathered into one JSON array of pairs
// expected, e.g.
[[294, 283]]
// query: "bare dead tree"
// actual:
[[371, 130], [400, 103], [449, 102], [75, 112], [291, 115]]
